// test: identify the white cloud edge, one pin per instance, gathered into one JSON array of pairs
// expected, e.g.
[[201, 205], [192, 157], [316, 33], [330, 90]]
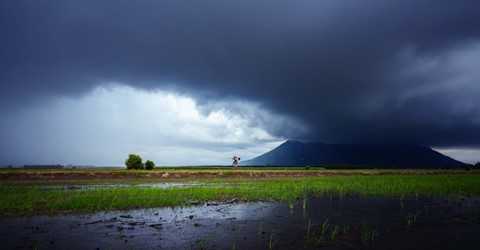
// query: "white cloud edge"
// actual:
[[104, 126]]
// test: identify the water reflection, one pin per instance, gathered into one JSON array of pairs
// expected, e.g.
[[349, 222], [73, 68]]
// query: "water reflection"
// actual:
[[331, 223]]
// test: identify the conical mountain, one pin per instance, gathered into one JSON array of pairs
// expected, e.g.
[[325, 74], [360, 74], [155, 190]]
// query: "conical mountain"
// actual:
[[295, 153]]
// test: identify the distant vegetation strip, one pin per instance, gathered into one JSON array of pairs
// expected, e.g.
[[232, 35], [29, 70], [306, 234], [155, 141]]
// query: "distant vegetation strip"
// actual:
[[27, 199], [178, 173]]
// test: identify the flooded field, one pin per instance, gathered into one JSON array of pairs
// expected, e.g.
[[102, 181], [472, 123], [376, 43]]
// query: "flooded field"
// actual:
[[413, 222]]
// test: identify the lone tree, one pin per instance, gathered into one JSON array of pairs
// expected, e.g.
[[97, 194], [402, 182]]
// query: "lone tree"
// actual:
[[134, 162], [149, 165]]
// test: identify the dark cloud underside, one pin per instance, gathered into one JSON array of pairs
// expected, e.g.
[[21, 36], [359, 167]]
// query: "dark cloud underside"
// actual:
[[352, 71]]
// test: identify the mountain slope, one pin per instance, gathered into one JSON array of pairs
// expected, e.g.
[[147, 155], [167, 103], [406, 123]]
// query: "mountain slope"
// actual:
[[294, 153]]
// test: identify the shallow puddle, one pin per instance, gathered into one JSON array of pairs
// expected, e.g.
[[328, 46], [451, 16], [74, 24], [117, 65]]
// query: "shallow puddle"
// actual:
[[347, 223], [163, 185]]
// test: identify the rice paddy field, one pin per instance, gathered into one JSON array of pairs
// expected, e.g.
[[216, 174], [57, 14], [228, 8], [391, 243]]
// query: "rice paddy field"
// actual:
[[218, 208]]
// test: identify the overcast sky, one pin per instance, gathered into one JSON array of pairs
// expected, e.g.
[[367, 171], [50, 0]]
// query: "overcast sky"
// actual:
[[194, 82]]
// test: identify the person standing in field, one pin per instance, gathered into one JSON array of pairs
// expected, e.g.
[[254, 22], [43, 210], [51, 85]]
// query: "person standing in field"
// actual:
[[235, 160]]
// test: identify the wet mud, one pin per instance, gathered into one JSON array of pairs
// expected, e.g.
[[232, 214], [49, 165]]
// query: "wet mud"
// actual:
[[314, 223]]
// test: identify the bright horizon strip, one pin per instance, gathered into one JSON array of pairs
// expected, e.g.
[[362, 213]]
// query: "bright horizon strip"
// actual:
[[105, 126]]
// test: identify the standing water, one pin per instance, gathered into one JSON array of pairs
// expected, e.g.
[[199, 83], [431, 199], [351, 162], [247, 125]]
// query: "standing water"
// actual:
[[325, 223]]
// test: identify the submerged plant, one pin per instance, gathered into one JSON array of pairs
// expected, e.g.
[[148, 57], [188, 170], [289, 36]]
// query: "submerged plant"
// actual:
[[273, 240], [204, 241], [308, 228], [304, 207], [368, 236], [292, 202], [334, 232], [402, 202], [323, 235], [325, 227], [260, 228], [412, 219], [346, 229]]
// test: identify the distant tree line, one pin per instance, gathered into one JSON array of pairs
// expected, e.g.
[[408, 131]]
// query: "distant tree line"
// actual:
[[135, 162], [58, 166]]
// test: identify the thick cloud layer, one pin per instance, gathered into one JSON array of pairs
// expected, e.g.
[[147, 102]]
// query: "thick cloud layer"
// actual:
[[104, 126], [350, 71]]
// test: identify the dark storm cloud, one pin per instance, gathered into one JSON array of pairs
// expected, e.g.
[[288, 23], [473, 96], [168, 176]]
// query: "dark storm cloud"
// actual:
[[353, 71]]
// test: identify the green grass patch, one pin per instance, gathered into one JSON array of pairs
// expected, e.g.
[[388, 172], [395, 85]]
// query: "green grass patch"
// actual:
[[29, 198]]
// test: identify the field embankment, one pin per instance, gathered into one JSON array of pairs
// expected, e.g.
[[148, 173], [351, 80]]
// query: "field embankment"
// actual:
[[184, 173]]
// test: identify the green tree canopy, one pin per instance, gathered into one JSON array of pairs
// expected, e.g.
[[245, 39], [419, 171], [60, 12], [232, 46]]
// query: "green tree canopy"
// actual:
[[149, 165], [134, 162]]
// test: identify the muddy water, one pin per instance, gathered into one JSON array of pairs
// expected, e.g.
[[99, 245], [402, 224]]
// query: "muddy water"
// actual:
[[394, 223]]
